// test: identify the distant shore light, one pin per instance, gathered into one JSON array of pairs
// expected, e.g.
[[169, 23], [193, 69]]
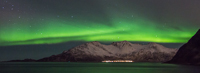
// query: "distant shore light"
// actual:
[[117, 61]]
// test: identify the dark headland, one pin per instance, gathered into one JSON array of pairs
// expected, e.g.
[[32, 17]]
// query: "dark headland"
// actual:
[[189, 53]]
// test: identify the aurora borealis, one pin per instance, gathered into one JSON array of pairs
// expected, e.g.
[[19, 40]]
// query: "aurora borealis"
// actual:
[[98, 32], [39, 28], [50, 21]]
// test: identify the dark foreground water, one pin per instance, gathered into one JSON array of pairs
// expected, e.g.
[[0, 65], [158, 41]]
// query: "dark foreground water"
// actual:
[[67, 67]]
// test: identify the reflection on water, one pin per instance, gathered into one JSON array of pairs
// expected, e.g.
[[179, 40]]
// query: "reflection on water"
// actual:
[[65, 67]]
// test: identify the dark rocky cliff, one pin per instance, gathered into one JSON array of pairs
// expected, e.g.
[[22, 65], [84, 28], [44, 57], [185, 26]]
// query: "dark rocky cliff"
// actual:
[[189, 53]]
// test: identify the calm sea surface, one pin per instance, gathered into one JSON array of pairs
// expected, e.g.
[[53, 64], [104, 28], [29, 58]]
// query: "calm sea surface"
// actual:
[[69, 67]]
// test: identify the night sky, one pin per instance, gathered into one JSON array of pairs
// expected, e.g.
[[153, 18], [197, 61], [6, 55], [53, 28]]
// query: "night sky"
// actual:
[[40, 22]]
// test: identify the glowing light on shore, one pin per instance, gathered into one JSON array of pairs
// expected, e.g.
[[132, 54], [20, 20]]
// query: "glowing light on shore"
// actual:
[[117, 61]]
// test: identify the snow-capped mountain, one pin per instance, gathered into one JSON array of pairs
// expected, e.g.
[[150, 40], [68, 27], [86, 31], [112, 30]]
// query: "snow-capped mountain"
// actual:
[[97, 52]]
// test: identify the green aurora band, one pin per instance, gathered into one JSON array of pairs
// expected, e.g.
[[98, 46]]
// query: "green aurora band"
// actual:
[[104, 21], [56, 31]]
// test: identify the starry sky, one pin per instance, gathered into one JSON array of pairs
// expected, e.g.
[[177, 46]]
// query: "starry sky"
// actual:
[[38, 22]]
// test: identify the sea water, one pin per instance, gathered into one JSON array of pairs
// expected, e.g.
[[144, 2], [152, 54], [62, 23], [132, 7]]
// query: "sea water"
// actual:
[[76, 67]]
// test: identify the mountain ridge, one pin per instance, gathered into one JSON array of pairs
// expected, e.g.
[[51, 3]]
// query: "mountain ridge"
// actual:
[[97, 52]]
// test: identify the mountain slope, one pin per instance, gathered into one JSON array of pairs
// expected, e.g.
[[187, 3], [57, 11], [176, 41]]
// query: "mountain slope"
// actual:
[[96, 52], [189, 53]]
